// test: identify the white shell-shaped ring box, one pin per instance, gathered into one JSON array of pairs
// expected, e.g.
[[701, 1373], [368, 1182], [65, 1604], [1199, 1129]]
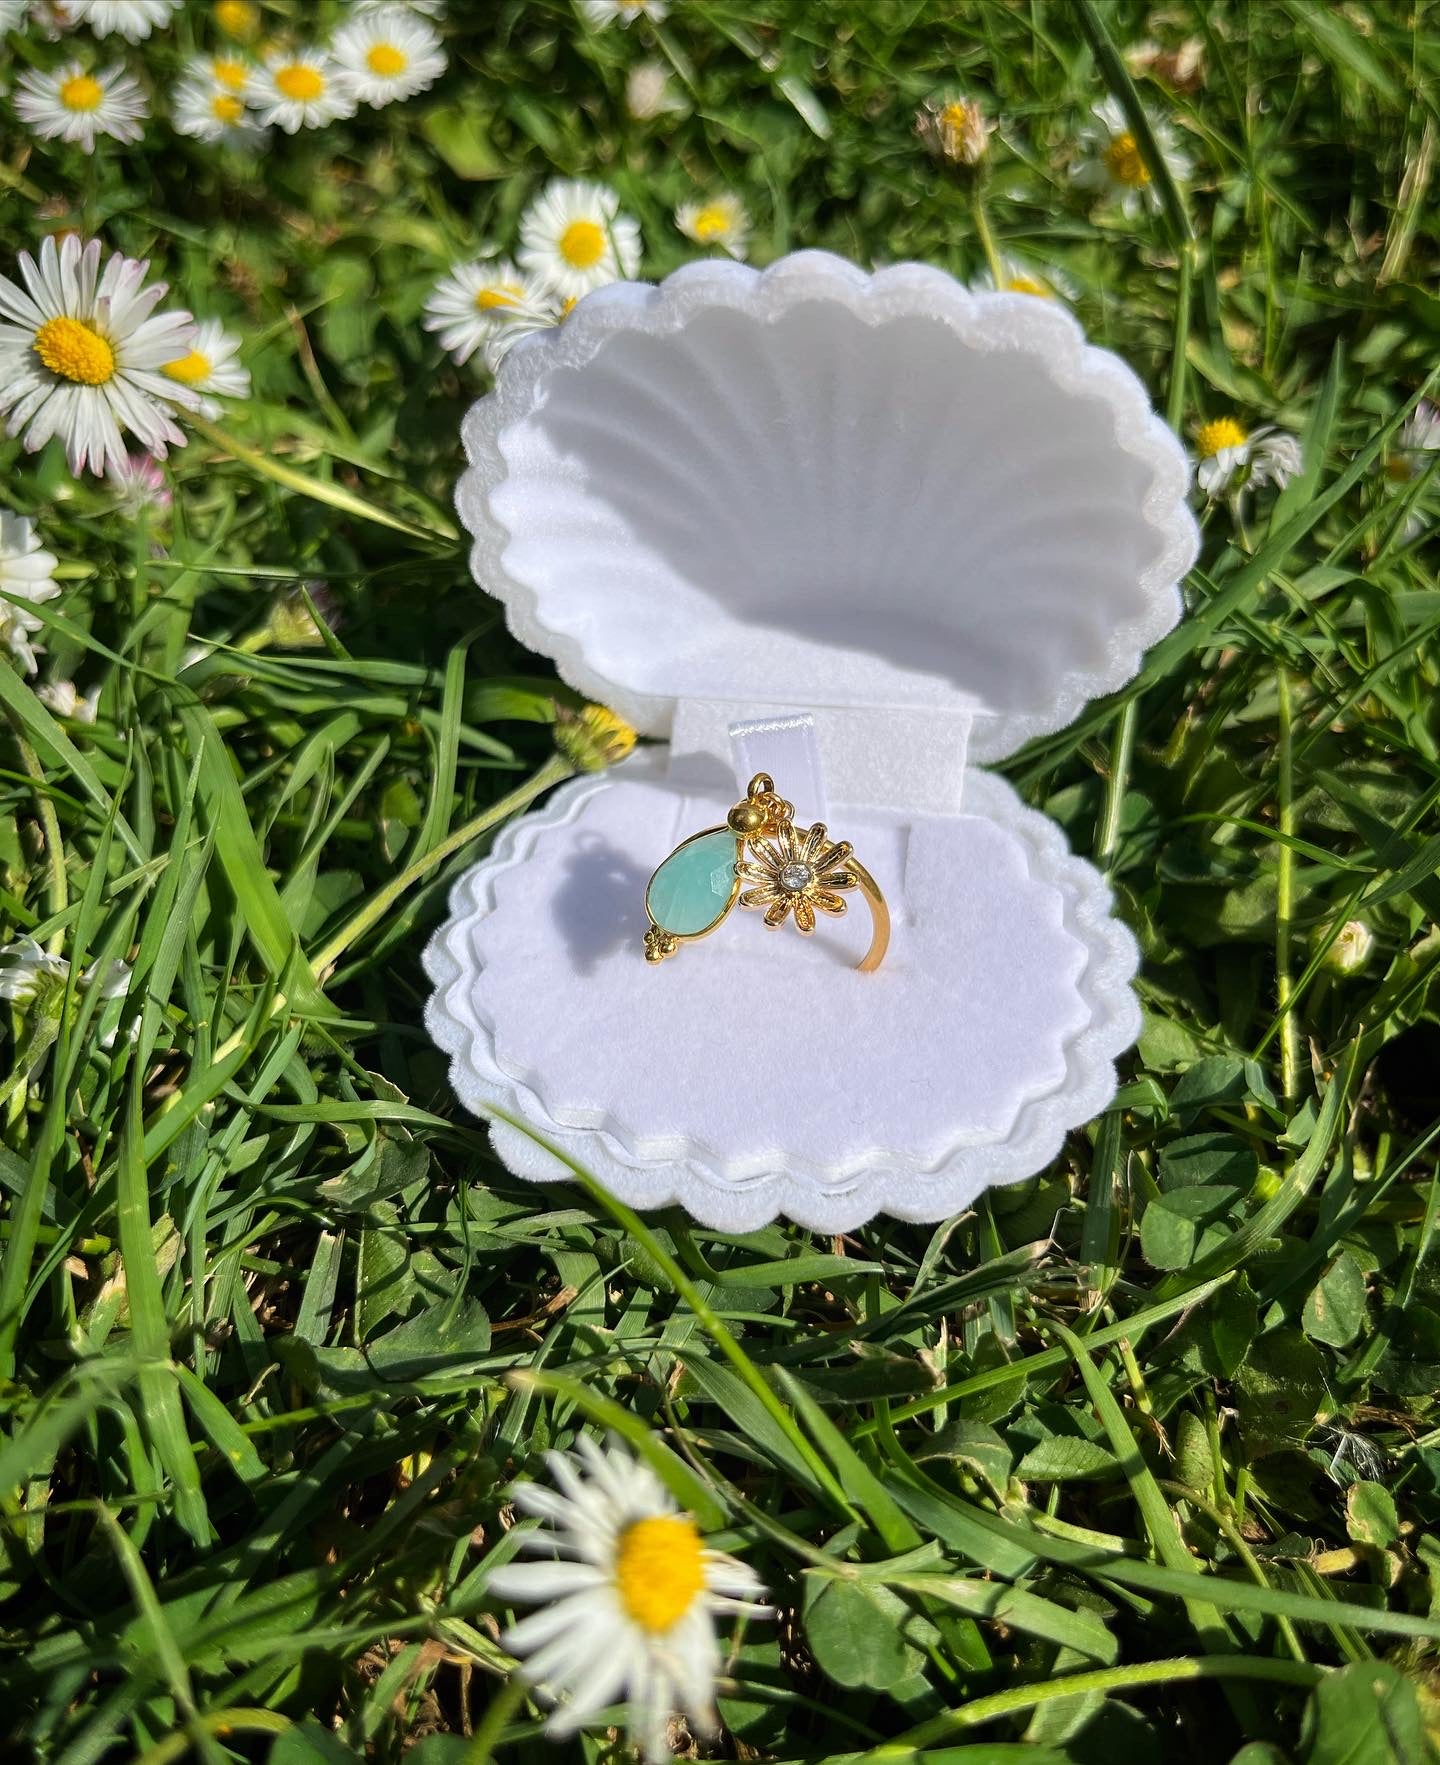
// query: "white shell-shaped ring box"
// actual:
[[864, 532]]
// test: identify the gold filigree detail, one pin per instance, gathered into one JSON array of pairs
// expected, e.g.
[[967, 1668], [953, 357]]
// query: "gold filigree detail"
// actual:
[[659, 944]]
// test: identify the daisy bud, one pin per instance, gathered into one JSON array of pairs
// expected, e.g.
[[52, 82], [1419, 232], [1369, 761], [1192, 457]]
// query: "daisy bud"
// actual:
[[64, 699], [27, 575], [1351, 949], [293, 626], [648, 92], [1182, 67], [955, 130], [592, 739], [599, 13], [239, 19]]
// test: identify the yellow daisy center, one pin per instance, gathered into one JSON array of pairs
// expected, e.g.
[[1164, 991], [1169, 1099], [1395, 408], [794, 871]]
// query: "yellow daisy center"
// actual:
[[499, 294], [80, 92], [1397, 469], [225, 107], [190, 369], [237, 18], [582, 244], [712, 222], [296, 80], [659, 1571], [75, 351], [956, 115], [1122, 158], [228, 73], [1023, 284], [1215, 436], [386, 60]]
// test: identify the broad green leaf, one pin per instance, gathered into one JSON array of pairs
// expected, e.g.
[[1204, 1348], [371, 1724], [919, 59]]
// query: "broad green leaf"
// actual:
[[1371, 1517], [386, 1284], [1208, 1159], [1177, 1227], [1065, 1459], [1365, 1714], [308, 1743], [1335, 1308], [857, 1632], [1280, 1389], [1084, 1632], [973, 1445]]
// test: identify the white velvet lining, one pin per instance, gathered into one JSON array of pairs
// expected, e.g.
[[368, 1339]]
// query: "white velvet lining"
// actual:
[[757, 1072], [809, 483]]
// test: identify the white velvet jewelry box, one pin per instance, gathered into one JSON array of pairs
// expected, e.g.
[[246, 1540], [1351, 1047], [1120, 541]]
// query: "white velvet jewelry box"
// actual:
[[924, 521]]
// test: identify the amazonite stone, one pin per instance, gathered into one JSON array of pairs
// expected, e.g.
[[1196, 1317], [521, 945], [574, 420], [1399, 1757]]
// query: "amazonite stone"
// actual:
[[691, 890]]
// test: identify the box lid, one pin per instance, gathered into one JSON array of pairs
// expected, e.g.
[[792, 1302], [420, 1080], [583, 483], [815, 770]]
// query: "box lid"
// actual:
[[812, 485]]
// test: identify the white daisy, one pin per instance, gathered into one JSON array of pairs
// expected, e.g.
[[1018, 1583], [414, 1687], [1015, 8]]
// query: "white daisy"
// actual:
[[64, 699], [209, 366], [140, 485], [721, 221], [389, 53], [25, 966], [1114, 165], [599, 13], [70, 104], [133, 19], [648, 92], [27, 969], [27, 574], [429, 8], [300, 89], [52, 18], [573, 238], [81, 353], [629, 1597], [1419, 436], [213, 113], [1421, 430], [1227, 458], [230, 69], [524, 322], [1020, 276], [469, 304]]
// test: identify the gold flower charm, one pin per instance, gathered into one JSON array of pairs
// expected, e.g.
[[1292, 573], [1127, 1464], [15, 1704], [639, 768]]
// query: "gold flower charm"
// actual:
[[789, 869], [799, 871]]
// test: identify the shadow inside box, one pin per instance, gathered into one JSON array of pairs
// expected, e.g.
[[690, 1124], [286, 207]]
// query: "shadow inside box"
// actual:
[[600, 906]]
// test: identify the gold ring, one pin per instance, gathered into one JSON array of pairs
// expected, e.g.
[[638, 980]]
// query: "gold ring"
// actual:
[[764, 861]]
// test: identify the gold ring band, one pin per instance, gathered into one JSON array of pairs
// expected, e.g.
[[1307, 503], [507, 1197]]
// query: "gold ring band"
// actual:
[[762, 860]]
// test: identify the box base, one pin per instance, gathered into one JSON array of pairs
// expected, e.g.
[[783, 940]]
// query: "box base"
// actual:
[[757, 1074]]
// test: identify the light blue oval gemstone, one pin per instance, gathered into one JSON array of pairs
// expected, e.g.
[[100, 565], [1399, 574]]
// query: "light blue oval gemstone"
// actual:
[[691, 890]]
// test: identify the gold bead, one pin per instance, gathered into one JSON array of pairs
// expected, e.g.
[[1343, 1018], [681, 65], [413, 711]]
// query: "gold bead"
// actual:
[[746, 818]]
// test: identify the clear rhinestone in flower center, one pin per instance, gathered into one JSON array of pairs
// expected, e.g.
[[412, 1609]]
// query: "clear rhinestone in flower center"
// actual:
[[795, 877]]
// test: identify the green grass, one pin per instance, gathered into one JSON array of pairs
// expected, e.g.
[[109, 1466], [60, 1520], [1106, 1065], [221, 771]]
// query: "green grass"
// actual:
[[1142, 1459]]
